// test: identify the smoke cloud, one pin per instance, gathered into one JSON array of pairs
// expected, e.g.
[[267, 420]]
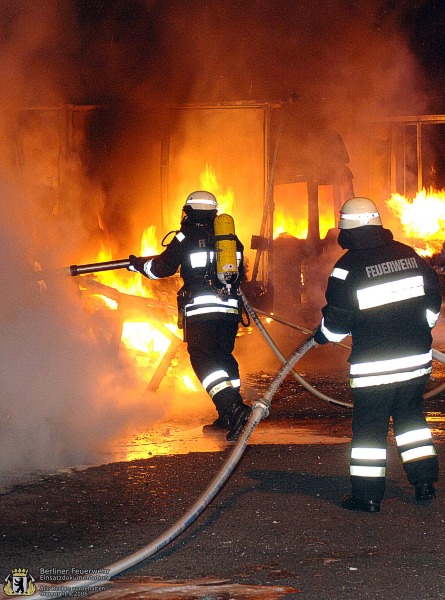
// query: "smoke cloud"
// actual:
[[62, 397]]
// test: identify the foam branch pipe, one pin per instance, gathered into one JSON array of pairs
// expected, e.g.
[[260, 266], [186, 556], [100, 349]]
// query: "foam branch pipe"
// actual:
[[109, 265], [260, 410]]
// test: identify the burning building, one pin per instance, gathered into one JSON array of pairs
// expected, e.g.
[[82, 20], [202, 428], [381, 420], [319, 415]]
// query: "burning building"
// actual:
[[111, 113], [289, 181]]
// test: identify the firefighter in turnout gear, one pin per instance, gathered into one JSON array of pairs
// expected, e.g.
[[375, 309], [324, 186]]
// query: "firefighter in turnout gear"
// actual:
[[388, 299], [209, 303]]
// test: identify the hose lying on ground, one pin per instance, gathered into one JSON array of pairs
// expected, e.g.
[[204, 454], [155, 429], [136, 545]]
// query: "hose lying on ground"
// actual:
[[260, 410]]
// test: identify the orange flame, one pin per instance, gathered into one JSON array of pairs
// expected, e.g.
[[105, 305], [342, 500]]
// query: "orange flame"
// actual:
[[285, 224], [141, 338], [124, 281], [291, 210], [209, 182], [144, 338], [299, 228], [422, 219]]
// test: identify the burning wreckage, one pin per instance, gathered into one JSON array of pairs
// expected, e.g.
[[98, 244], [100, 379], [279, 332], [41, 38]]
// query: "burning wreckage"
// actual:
[[298, 169], [290, 258]]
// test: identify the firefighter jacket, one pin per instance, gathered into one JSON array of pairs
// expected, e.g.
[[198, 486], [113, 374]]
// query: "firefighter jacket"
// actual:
[[388, 299], [193, 251]]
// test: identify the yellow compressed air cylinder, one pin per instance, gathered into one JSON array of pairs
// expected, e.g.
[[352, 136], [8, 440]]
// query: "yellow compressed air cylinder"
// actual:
[[226, 263]]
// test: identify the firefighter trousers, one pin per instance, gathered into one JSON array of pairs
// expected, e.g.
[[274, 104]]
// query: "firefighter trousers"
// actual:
[[373, 409], [210, 345]]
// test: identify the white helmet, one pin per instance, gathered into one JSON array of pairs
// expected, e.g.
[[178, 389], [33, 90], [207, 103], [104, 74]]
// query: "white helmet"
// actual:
[[358, 212], [202, 200]]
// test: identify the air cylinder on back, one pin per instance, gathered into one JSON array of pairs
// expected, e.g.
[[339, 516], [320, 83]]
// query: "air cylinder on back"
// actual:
[[226, 263]]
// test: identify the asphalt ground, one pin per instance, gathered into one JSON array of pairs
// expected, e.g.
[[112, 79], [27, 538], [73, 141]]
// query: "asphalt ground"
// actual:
[[275, 530]]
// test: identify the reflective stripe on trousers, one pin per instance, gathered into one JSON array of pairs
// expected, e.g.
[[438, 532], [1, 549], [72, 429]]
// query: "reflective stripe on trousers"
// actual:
[[368, 462], [216, 382], [415, 445]]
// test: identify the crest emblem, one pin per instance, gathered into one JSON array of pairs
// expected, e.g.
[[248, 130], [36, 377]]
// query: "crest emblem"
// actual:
[[19, 582]]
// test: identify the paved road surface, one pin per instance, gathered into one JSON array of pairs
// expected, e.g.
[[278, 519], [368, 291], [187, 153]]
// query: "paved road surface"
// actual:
[[274, 531]]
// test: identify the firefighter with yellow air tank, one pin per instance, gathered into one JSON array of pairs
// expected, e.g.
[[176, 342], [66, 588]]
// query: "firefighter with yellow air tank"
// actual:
[[210, 258], [388, 299]]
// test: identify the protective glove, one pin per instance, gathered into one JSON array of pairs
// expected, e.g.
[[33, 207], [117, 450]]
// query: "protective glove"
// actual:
[[136, 264], [319, 337]]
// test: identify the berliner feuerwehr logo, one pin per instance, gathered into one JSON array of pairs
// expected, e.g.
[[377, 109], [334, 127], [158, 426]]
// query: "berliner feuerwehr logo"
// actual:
[[19, 582]]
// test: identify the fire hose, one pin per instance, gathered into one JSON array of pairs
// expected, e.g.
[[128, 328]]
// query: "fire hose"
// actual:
[[260, 410], [439, 356], [253, 314]]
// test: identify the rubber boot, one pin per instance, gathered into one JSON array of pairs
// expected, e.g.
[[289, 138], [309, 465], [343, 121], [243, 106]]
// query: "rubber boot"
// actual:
[[219, 424], [238, 415], [351, 503], [425, 491]]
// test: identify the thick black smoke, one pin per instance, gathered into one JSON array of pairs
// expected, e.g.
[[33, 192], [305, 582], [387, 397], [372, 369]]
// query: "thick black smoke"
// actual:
[[349, 62]]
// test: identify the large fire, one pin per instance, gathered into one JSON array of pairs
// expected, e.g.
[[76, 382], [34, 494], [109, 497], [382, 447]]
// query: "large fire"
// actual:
[[209, 182], [291, 211], [145, 338], [422, 219], [150, 342]]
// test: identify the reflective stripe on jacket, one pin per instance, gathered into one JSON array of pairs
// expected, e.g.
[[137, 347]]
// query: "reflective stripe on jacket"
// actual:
[[192, 251], [387, 298]]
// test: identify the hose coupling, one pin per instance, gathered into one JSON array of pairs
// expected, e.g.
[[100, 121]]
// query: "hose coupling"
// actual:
[[263, 406]]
